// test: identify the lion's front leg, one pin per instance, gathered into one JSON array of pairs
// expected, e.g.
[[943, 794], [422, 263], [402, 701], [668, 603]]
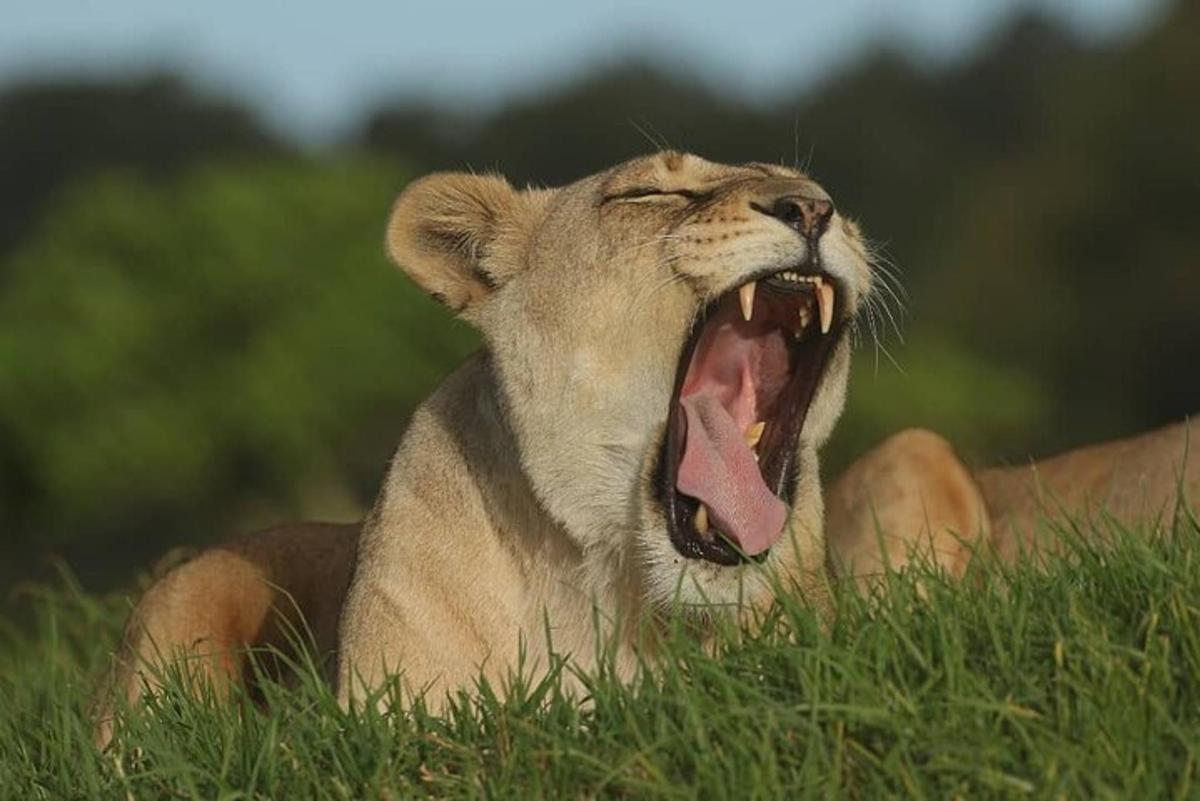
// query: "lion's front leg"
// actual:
[[909, 498]]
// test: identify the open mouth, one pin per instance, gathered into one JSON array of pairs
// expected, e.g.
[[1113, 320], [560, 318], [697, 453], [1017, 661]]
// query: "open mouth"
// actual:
[[745, 380]]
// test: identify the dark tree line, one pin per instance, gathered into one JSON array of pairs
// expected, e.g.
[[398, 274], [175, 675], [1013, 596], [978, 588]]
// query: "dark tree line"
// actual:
[[198, 331]]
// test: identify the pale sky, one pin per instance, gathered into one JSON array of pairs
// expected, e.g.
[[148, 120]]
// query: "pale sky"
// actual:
[[313, 67]]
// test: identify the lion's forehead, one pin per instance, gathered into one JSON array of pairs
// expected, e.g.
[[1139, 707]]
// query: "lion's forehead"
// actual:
[[671, 169]]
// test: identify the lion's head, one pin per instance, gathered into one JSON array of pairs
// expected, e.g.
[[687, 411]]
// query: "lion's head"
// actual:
[[670, 340]]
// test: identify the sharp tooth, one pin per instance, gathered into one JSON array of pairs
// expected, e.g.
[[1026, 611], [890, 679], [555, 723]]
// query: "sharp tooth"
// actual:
[[754, 433], [701, 521], [746, 296], [825, 302], [805, 316]]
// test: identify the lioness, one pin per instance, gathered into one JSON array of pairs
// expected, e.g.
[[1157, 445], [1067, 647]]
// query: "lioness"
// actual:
[[666, 352]]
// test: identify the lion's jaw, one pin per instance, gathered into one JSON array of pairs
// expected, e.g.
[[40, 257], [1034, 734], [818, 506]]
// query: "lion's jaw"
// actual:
[[589, 297]]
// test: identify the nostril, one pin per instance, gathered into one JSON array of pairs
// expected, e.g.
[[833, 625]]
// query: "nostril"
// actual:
[[788, 209], [807, 215]]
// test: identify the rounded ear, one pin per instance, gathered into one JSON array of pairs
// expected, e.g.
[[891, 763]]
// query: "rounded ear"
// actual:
[[455, 235]]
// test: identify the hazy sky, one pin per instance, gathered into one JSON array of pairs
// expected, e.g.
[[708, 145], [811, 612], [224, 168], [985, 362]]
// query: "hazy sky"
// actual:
[[313, 65]]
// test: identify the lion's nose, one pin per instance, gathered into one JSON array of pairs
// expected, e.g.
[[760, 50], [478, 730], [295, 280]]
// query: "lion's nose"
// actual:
[[808, 215]]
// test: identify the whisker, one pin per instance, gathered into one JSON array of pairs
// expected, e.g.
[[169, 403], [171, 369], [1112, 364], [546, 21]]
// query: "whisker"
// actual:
[[647, 294], [872, 318], [889, 294], [659, 142], [892, 283], [656, 240], [807, 166], [887, 353], [876, 309], [796, 142], [886, 310]]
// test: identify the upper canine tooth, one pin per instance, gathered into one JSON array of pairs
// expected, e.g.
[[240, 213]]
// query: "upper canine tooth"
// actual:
[[746, 296], [825, 302], [754, 433], [701, 520]]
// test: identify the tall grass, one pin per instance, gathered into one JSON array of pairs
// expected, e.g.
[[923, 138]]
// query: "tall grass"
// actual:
[[1081, 680]]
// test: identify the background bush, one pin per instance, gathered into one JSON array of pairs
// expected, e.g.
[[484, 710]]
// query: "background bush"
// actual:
[[199, 332], [181, 359]]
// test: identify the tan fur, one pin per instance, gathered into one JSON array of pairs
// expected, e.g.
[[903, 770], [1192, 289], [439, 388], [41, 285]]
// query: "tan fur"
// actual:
[[1144, 481], [521, 498], [276, 589], [912, 498], [520, 501], [908, 498], [528, 476]]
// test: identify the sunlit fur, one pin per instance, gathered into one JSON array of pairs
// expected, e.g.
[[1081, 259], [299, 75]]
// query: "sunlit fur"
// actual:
[[585, 296], [520, 502]]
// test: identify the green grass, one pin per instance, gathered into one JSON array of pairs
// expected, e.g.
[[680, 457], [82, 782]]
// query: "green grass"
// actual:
[[1081, 681]]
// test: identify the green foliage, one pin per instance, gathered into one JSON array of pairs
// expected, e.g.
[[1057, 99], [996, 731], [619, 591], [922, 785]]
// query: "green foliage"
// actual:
[[173, 355], [1039, 196], [188, 350], [51, 132], [1079, 682], [932, 381], [1075, 258]]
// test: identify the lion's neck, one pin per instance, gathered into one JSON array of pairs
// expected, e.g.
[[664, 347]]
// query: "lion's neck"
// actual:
[[457, 474]]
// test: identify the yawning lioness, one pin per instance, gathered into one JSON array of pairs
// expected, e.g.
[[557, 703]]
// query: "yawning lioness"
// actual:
[[665, 353]]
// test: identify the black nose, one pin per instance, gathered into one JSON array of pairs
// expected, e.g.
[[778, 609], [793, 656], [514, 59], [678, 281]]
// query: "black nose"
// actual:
[[808, 215]]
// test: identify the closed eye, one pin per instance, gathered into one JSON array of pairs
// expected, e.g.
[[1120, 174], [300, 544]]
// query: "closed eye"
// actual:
[[653, 192]]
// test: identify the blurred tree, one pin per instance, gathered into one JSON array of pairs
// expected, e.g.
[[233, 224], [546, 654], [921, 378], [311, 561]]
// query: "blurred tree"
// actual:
[[52, 131], [1040, 197], [227, 350], [1084, 242], [891, 137], [576, 129], [226, 346]]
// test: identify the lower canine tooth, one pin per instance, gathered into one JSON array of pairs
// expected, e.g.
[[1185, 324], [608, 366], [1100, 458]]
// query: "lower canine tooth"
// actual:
[[701, 521], [825, 302], [746, 297], [754, 433]]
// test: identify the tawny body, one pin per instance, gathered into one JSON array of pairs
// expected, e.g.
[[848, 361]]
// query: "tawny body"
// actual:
[[526, 498], [911, 497], [279, 589]]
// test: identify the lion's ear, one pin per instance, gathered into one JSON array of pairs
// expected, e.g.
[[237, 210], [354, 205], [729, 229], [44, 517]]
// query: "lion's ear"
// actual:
[[453, 234]]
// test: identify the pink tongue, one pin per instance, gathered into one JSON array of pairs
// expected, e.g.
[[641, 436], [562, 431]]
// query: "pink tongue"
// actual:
[[718, 469]]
